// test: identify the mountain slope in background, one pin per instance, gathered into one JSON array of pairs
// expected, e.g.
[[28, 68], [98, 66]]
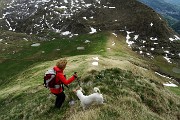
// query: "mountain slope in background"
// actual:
[[168, 8], [145, 30], [34, 17], [174, 2]]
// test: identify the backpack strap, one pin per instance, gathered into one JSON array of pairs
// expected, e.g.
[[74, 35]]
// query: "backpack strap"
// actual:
[[61, 84], [64, 84]]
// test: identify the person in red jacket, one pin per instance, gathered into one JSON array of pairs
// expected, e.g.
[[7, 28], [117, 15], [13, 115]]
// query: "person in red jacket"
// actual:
[[60, 80]]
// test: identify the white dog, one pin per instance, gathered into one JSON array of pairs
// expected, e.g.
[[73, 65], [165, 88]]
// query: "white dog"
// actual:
[[87, 100]]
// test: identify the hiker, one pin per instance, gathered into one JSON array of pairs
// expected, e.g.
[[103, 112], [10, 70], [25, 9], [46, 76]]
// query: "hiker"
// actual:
[[60, 80]]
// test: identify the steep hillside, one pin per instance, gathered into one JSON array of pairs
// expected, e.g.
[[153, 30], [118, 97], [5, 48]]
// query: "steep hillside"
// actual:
[[175, 2], [169, 9], [176, 26], [129, 84]]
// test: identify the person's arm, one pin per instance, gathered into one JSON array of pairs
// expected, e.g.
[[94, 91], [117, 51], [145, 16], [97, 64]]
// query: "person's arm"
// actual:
[[65, 81]]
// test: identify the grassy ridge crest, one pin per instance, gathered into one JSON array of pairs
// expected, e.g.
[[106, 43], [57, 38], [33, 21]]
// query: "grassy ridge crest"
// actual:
[[130, 91]]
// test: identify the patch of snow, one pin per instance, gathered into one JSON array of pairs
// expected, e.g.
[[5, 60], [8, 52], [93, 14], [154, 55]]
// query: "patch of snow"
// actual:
[[62, 7], [88, 5], [95, 63], [152, 38], [9, 24], [170, 84], [80, 48], [105, 6], [148, 54], [87, 41], [128, 38], [163, 76], [99, 1], [171, 39], [144, 41], [151, 24], [167, 58], [46, 0], [25, 39], [85, 18], [136, 37], [176, 37], [113, 43], [152, 49], [166, 51], [66, 33], [1, 40], [93, 30], [35, 44], [65, 1], [112, 7], [95, 58], [115, 34]]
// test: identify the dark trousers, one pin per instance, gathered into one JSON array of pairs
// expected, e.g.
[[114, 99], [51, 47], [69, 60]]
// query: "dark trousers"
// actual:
[[59, 99]]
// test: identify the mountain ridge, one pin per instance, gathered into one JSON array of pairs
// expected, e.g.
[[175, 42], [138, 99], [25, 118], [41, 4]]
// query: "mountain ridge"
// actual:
[[146, 32], [53, 14], [127, 87]]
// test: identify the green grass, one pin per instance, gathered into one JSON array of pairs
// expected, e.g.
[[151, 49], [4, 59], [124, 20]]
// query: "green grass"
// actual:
[[67, 47], [127, 96], [176, 90], [165, 67], [134, 94], [28, 56]]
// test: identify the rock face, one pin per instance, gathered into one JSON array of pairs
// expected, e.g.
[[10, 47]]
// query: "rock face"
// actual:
[[147, 33]]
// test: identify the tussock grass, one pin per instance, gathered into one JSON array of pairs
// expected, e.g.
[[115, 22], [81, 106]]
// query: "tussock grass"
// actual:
[[134, 96]]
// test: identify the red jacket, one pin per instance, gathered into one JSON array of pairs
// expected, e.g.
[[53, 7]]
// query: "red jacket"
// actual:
[[60, 78]]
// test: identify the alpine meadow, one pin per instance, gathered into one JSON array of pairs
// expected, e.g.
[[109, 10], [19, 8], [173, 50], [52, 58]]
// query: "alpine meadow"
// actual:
[[123, 47]]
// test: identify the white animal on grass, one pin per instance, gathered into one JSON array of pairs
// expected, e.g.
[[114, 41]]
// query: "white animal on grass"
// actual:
[[87, 100]]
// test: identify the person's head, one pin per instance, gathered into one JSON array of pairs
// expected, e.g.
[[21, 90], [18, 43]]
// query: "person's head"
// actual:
[[61, 63]]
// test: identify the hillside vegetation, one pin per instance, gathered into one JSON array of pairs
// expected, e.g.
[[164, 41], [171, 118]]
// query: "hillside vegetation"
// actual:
[[127, 81]]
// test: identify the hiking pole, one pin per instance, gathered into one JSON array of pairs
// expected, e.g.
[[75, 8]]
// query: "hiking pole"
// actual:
[[78, 80]]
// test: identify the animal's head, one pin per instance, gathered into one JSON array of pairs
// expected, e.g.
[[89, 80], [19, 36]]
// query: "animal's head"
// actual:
[[79, 88]]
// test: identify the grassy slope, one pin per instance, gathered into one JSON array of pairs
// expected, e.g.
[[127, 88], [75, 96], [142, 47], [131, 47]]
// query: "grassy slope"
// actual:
[[138, 94]]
